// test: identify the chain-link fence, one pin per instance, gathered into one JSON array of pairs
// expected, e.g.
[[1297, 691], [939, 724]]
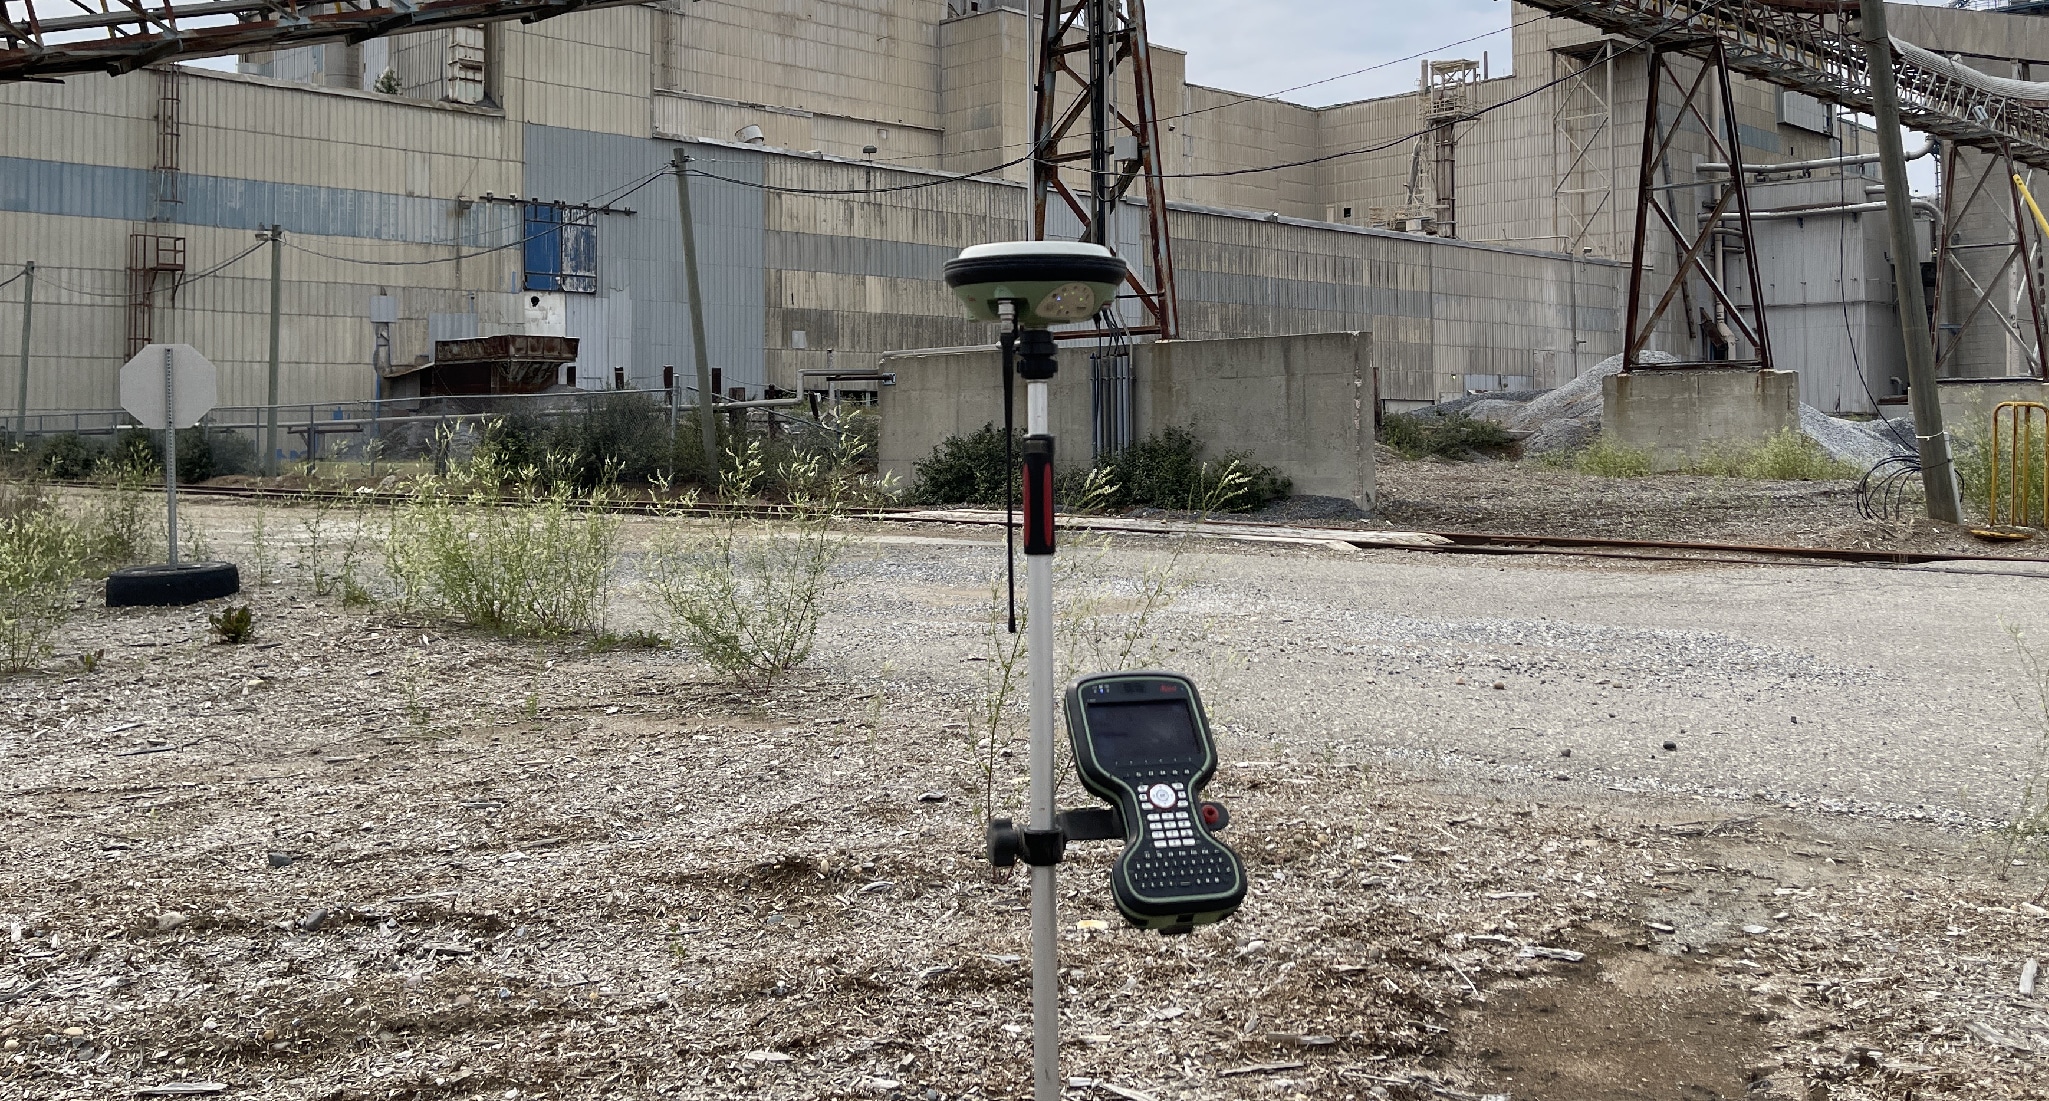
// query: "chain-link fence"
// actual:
[[634, 434]]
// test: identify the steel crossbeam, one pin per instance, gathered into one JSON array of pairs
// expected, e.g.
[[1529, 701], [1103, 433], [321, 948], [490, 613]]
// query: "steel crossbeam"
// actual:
[[41, 39], [1810, 46]]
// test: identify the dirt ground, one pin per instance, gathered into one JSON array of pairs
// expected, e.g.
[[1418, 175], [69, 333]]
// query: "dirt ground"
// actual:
[[370, 857], [1527, 498]]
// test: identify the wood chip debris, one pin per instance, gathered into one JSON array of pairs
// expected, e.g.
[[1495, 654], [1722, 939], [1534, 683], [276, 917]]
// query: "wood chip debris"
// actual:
[[1535, 952], [1259, 1068]]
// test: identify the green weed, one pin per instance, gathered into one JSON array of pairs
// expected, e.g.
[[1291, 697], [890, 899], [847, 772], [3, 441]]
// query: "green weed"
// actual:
[[1456, 436], [234, 624], [43, 552], [1609, 459]]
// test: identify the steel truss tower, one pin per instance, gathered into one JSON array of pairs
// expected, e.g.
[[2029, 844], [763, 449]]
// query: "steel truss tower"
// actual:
[[1122, 146], [1693, 233]]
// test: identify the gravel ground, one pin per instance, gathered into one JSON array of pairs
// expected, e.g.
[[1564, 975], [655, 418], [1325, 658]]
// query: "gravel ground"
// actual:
[[365, 857], [1528, 498]]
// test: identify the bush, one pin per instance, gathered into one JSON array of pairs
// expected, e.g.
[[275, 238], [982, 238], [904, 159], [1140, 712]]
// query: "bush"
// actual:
[[1608, 459], [963, 470], [1164, 470], [203, 453], [43, 552], [68, 457], [540, 566], [747, 598], [603, 439], [1792, 456], [1456, 436]]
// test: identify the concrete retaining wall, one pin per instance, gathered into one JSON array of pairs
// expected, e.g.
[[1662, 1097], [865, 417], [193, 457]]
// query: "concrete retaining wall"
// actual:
[[1967, 403], [1679, 416], [1302, 404]]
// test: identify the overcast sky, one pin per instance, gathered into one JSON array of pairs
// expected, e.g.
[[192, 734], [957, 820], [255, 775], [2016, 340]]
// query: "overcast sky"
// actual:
[[1263, 46]]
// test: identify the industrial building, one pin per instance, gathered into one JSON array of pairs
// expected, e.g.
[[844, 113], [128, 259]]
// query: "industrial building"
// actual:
[[513, 179]]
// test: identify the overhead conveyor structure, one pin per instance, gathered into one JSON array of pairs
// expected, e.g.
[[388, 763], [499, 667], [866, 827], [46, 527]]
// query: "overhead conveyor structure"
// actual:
[[41, 39], [1811, 46]]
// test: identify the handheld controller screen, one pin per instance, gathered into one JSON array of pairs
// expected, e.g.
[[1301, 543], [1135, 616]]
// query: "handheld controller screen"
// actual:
[[1141, 741]]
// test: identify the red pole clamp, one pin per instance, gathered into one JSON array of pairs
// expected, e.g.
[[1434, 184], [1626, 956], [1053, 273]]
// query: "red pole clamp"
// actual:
[[1038, 494]]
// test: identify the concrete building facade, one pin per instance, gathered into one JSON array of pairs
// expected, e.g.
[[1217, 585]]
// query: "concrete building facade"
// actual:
[[510, 179]]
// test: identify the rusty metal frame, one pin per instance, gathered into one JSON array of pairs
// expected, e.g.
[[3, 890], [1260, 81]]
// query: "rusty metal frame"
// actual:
[[1112, 34], [1725, 146], [45, 39], [2015, 252]]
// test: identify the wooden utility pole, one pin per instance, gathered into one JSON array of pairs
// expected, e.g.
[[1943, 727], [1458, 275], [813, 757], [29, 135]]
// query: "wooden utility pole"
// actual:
[[1938, 475], [28, 313], [277, 298], [706, 423]]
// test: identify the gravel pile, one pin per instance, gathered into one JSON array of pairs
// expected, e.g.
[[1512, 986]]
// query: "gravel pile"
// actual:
[[1569, 418]]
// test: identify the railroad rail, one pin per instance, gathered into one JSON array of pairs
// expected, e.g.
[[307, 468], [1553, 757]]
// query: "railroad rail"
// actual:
[[1252, 531], [1811, 46]]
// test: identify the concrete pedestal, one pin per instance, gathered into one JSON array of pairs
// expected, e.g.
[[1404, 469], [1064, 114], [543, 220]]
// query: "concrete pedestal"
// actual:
[[1678, 416]]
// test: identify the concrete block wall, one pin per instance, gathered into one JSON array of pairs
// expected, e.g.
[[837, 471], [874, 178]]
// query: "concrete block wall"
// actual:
[[1681, 416], [1302, 404]]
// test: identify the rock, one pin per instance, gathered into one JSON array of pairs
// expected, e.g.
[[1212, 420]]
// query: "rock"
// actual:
[[1671, 747], [11, 1045], [74, 1030], [170, 920], [880, 886], [280, 860], [1565, 753], [932, 797], [313, 921]]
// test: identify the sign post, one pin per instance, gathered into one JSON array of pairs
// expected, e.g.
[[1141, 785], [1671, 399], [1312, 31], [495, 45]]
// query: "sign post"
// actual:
[[169, 386]]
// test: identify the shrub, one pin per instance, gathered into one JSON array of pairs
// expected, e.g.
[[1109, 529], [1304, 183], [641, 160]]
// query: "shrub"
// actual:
[[1973, 457], [963, 470], [1793, 456], [747, 598], [203, 453], [68, 457], [1609, 459], [42, 553], [1456, 436], [1164, 470], [540, 565]]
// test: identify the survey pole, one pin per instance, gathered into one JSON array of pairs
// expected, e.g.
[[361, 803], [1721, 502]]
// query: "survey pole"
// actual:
[[707, 424], [277, 239], [1938, 475], [28, 314]]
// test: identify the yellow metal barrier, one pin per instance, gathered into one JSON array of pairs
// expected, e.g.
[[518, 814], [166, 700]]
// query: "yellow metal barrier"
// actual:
[[2019, 436]]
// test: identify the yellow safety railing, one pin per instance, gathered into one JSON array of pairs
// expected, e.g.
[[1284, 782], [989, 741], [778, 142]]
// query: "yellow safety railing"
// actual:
[[2014, 425]]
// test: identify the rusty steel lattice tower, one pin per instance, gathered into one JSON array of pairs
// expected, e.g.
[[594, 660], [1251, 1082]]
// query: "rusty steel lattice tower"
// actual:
[[1123, 146]]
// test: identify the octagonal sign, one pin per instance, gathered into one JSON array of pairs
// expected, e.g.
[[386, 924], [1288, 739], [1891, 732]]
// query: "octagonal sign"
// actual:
[[194, 384]]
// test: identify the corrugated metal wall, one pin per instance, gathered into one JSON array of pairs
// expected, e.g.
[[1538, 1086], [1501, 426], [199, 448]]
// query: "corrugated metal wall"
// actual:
[[640, 315]]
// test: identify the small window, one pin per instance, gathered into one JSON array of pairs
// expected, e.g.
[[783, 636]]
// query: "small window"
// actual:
[[1348, 212], [561, 249]]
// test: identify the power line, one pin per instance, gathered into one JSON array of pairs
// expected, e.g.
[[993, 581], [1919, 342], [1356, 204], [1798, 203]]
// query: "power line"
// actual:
[[608, 197], [181, 281]]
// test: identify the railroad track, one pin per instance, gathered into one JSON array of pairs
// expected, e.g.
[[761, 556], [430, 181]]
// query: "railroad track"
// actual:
[[1251, 531]]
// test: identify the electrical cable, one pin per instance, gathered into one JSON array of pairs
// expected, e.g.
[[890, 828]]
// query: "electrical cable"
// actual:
[[181, 282], [630, 190], [1843, 300], [12, 278], [1668, 25]]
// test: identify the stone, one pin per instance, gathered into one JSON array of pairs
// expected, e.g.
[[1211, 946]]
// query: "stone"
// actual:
[[280, 860]]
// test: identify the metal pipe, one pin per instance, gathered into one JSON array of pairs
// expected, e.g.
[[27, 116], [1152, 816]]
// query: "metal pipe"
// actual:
[[1853, 208], [170, 457], [1823, 162]]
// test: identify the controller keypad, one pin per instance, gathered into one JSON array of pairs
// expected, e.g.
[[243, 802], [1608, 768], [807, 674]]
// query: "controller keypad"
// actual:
[[1174, 856]]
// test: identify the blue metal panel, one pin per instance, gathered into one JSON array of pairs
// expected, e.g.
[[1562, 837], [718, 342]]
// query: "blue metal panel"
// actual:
[[100, 191], [543, 247], [639, 256]]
